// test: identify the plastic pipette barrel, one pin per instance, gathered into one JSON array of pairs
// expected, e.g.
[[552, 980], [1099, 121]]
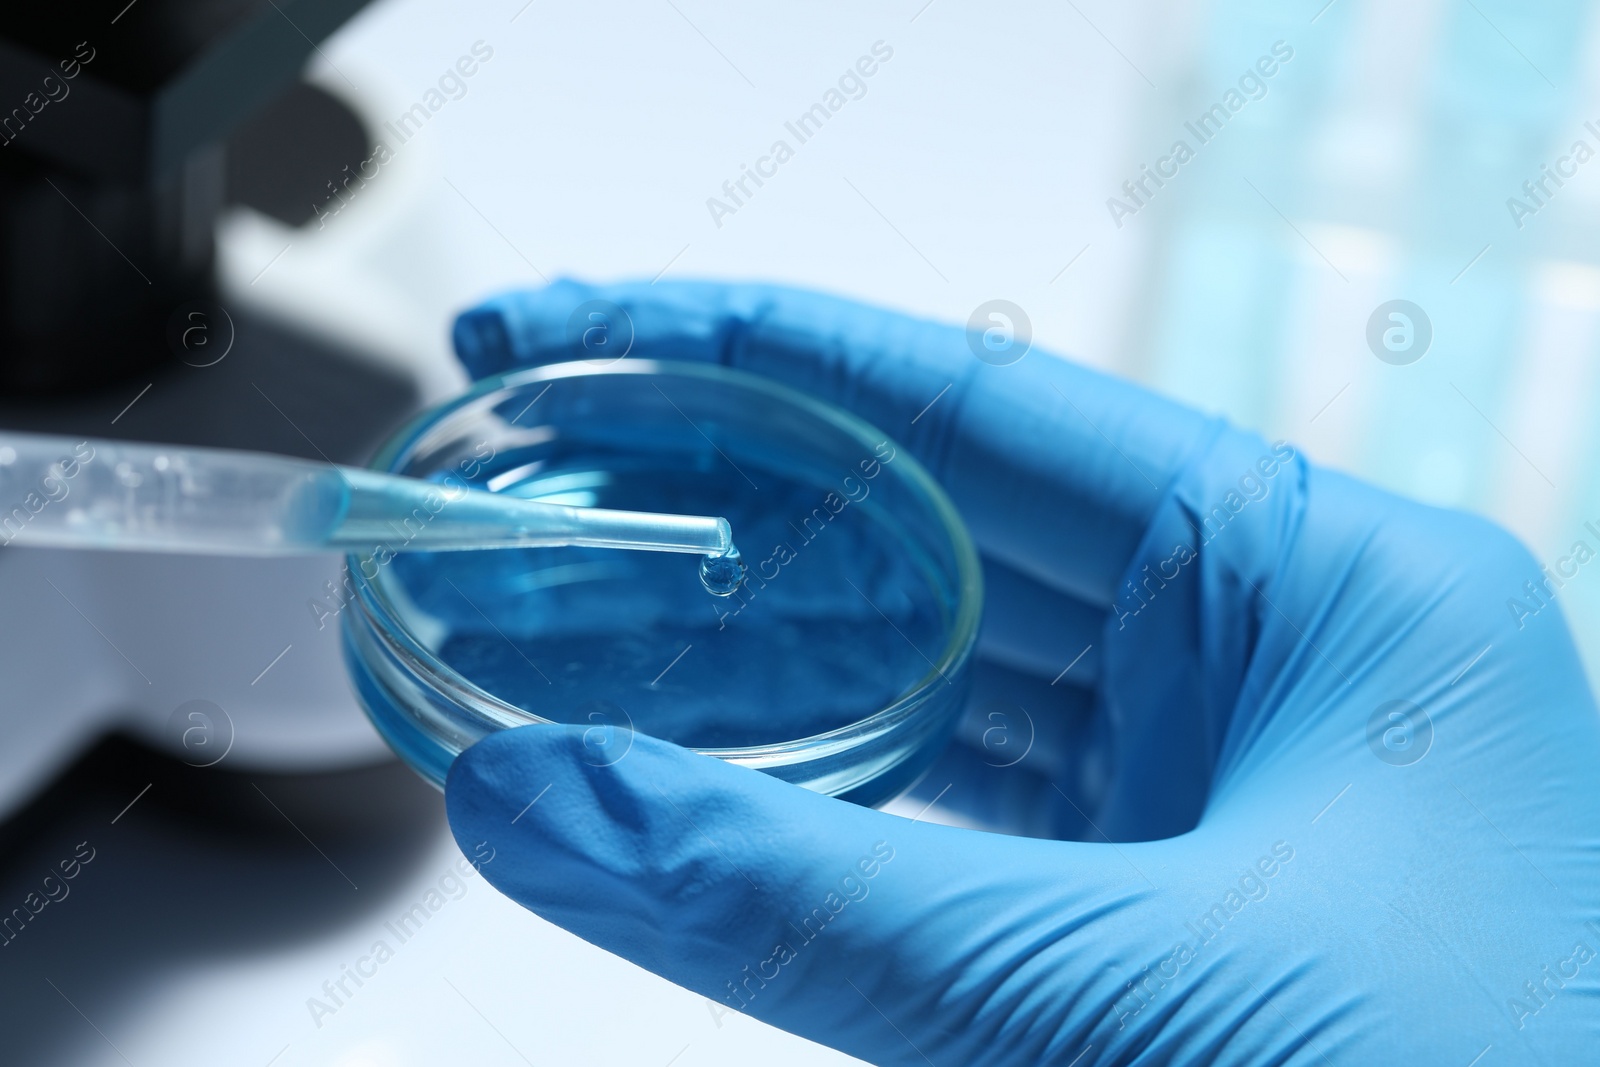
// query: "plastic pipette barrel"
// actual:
[[384, 506], [68, 493]]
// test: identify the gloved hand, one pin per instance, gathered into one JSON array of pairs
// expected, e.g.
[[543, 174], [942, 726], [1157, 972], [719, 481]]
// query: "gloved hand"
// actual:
[[1324, 788]]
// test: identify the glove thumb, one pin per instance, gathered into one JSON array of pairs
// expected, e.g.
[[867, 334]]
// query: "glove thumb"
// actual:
[[885, 938]]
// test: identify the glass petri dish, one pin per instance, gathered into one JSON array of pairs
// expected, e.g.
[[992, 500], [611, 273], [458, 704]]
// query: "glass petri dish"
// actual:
[[840, 665]]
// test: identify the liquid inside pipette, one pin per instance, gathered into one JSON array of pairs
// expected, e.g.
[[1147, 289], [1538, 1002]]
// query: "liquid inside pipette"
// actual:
[[155, 498]]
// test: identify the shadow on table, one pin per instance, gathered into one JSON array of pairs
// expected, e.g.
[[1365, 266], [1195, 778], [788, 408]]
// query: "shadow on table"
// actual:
[[204, 867]]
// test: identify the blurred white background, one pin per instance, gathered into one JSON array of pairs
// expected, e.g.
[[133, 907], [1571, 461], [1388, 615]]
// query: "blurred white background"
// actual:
[[1376, 166]]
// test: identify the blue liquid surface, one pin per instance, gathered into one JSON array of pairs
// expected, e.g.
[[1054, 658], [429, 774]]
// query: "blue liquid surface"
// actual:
[[834, 619]]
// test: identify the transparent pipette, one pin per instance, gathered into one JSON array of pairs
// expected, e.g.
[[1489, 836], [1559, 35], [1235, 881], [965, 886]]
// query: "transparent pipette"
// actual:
[[65, 492]]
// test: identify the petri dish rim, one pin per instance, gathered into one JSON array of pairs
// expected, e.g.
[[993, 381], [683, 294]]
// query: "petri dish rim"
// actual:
[[388, 625]]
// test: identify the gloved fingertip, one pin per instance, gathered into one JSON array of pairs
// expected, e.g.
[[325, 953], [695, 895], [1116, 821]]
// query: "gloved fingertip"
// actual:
[[498, 770], [482, 341], [578, 801]]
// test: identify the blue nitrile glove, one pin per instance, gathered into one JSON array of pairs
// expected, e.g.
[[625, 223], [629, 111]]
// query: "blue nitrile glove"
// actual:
[[1326, 782]]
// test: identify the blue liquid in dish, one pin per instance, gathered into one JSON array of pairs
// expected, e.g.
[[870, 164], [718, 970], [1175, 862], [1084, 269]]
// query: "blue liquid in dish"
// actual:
[[832, 617]]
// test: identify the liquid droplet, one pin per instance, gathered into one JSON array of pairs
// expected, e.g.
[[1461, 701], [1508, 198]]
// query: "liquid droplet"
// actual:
[[722, 575]]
